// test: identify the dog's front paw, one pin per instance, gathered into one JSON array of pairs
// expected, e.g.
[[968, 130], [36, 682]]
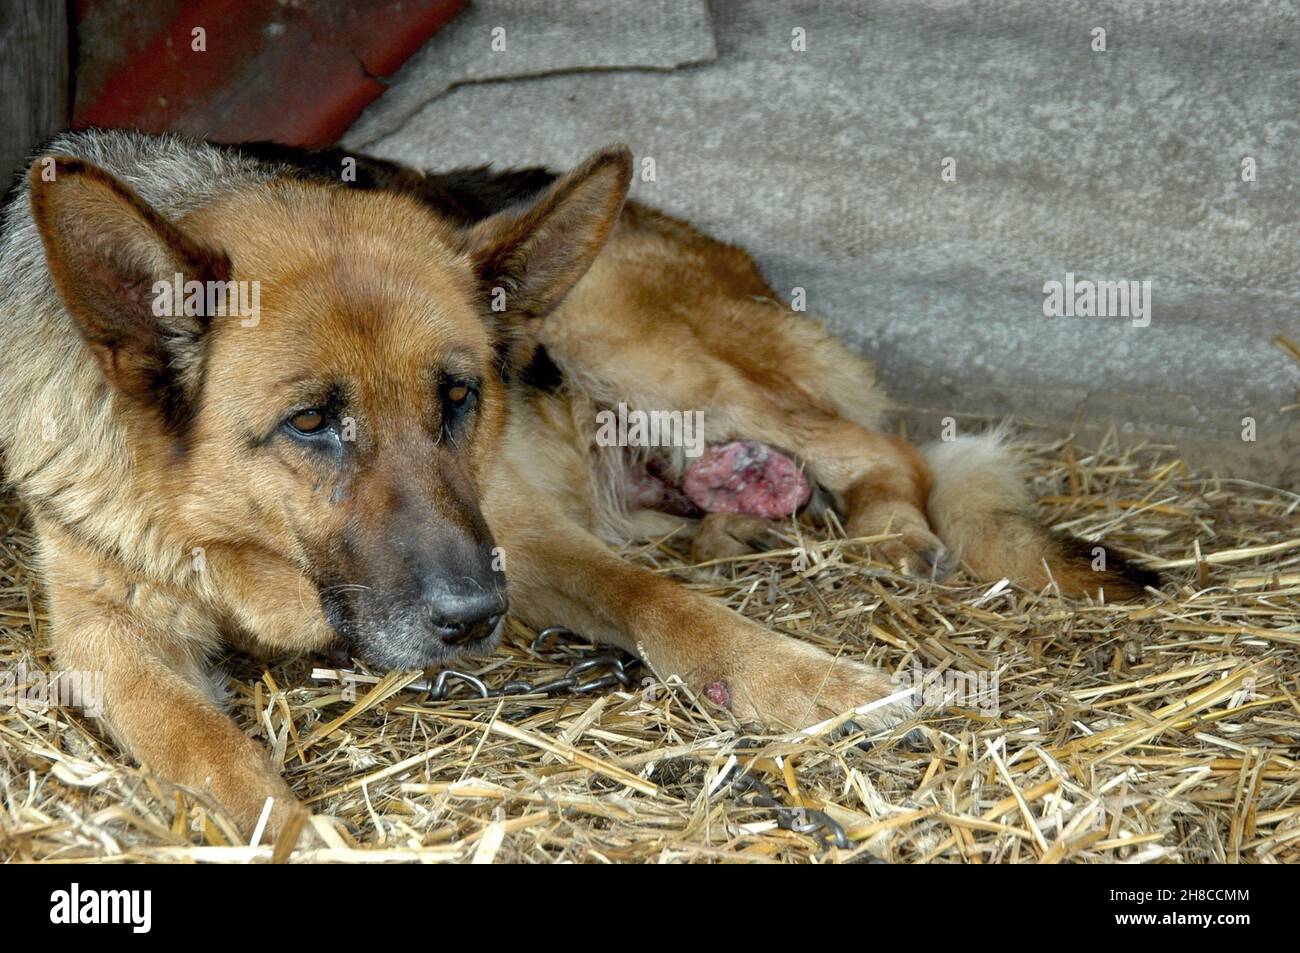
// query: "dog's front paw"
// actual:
[[787, 685]]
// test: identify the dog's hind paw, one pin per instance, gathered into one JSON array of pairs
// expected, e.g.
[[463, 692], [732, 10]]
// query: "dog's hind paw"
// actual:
[[919, 554], [725, 535]]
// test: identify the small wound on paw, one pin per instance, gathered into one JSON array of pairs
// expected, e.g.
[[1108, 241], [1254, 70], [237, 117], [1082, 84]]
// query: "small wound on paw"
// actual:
[[718, 693]]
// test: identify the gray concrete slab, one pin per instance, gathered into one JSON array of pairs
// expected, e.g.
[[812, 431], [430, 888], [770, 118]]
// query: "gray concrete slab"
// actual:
[[1122, 164], [497, 40]]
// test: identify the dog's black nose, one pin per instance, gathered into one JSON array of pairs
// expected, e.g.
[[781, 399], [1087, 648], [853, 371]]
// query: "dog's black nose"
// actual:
[[462, 619]]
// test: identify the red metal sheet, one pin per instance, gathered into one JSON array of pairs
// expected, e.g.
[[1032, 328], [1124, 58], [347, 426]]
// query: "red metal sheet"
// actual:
[[293, 72]]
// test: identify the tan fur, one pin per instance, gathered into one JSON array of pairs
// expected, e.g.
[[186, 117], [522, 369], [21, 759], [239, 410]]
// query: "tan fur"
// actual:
[[981, 507], [376, 289]]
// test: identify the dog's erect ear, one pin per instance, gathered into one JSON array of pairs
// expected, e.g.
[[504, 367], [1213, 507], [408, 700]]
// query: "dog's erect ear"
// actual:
[[107, 249], [527, 258]]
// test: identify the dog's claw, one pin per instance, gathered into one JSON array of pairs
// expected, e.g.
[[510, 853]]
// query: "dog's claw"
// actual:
[[920, 556], [940, 560], [724, 535], [914, 740]]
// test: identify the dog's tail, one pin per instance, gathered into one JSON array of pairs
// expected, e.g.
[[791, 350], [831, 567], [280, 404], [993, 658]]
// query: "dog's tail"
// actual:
[[981, 508]]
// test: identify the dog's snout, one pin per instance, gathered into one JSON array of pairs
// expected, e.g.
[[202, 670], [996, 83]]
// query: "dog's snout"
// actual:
[[463, 618]]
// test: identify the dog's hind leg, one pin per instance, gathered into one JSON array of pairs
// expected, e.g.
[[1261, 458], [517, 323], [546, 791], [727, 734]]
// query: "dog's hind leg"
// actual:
[[668, 319], [881, 482], [802, 400], [671, 319], [727, 535]]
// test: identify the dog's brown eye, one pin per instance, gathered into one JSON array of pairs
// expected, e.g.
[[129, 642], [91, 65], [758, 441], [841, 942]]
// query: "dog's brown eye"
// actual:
[[307, 421], [459, 397]]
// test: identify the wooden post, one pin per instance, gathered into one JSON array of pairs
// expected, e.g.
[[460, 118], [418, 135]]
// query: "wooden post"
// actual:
[[33, 78]]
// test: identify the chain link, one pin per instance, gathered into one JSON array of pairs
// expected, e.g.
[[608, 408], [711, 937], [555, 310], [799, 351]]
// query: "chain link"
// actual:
[[577, 679], [799, 820], [570, 683]]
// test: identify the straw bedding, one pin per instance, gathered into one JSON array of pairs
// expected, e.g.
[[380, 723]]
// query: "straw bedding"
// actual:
[[1167, 730]]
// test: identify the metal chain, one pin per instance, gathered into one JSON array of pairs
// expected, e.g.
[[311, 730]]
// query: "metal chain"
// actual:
[[577, 679], [799, 820], [570, 683]]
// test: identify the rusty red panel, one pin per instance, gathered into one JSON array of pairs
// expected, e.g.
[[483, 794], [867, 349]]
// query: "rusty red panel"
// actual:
[[298, 73]]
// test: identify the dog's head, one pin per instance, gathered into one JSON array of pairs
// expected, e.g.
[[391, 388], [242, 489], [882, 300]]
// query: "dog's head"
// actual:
[[331, 391]]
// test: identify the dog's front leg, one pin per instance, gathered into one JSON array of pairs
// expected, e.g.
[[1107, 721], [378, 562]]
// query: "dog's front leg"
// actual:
[[559, 574], [144, 666]]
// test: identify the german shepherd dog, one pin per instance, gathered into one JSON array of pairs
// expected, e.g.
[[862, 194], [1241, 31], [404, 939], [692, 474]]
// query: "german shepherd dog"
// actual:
[[401, 442]]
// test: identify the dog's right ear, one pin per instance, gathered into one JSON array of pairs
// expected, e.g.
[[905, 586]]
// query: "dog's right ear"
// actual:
[[107, 250]]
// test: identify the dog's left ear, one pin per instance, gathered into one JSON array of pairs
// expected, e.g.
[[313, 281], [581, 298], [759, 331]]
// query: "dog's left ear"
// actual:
[[526, 259]]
